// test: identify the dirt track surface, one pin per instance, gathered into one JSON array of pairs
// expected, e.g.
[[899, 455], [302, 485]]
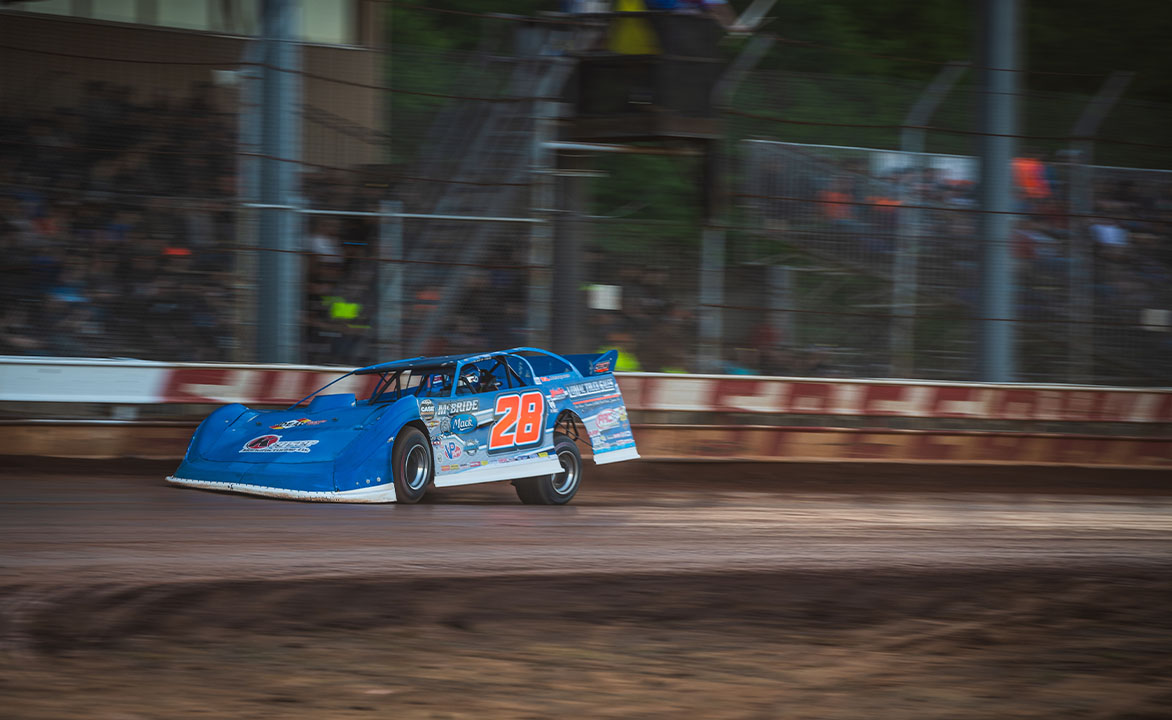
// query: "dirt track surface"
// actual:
[[679, 591]]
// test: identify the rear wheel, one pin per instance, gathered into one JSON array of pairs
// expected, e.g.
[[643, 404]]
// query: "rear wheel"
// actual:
[[411, 465], [558, 488]]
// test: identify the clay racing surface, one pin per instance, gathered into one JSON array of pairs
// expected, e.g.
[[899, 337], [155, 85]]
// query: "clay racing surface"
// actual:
[[789, 591]]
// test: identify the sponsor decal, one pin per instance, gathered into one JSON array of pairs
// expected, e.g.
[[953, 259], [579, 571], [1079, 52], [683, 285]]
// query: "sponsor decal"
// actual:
[[462, 423], [262, 442], [452, 449], [449, 468], [299, 422], [274, 443], [426, 409], [607, 419], [548, 378], [445, 425], [602, 366], [471, 447], [460, 406], [595, 402], [591, 387], [557, 393]]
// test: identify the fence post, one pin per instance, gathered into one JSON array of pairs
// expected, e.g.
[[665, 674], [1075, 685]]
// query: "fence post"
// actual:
[[244, 310], [541, 204], [905, 275], [390, 279], [780, 302], [711, 298], [281, 289], [569, 332], [998, 114], [1080, 268]]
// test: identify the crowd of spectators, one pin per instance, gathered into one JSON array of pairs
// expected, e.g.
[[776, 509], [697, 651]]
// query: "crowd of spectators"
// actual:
[[347, 278], [115, 227], [844, 212], [118, 237]]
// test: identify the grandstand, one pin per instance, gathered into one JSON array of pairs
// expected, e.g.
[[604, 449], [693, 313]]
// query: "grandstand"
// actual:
[[130, 226]]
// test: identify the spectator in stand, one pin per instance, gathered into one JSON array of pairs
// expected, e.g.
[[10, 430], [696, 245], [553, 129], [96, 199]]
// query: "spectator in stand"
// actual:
[[1035, 245], [323, 242], [622, 341], [20, 333], [109, 260], [1032, 179], [835, 203], [743, 362], [1110, 237]]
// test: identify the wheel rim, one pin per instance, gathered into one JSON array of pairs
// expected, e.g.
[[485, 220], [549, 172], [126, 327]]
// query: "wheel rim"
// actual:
[[565, 481], [415, 467]]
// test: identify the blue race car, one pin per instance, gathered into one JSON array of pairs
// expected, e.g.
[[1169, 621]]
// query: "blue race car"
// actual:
[[452, 420]]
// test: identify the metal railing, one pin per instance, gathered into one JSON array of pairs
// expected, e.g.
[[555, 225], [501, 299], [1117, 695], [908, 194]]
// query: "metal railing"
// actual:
[[881, 250]]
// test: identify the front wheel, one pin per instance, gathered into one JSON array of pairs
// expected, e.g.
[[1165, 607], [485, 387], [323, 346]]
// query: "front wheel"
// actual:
[[411, 465], [558, 488]]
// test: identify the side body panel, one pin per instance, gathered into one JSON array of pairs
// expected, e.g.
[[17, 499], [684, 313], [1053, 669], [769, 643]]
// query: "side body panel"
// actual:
[[500, 435], [598, 401]]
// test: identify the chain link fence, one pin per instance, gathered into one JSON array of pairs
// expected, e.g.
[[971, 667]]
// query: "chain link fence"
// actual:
[[877, 254], [127, 197]]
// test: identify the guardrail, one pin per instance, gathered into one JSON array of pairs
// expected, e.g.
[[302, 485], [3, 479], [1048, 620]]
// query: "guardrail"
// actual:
[[677, 417], [133, 382]]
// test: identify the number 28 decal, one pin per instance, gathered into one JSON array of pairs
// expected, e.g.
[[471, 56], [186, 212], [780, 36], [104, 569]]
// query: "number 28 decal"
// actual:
[[520, 421]]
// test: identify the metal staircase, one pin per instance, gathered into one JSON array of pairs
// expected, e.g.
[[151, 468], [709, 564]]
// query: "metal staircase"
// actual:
[[484, 148]]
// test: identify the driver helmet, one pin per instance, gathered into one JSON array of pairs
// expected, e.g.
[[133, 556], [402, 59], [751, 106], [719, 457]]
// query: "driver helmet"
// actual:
[[472, 377], [439, 382]]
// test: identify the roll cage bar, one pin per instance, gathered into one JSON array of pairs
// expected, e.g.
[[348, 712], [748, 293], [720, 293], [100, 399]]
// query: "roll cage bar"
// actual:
[[391, 371]]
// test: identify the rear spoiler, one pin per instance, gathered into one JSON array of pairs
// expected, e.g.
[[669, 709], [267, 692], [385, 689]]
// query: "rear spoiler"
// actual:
[[594, 363]]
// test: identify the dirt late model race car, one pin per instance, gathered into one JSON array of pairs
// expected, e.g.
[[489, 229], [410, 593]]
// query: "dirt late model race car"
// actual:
[[452, 420]]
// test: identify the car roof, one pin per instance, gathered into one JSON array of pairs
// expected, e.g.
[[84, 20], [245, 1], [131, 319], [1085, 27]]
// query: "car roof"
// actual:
[[439, 361]]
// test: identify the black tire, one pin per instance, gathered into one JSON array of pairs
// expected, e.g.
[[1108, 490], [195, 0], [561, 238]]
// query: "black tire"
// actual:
[[411, 465], [558, 488]]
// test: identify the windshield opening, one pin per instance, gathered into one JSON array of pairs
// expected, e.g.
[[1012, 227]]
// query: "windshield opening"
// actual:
[[394, 385]]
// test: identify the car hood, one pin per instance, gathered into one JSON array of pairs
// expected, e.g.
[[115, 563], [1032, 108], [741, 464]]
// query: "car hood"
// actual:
[[289, 436]]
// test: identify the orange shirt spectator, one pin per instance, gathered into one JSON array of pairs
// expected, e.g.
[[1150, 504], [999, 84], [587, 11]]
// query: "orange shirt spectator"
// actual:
[[835, 205], [1030, 176]]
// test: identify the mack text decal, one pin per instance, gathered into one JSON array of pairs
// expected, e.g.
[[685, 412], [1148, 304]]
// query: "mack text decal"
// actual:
[[463, 423]]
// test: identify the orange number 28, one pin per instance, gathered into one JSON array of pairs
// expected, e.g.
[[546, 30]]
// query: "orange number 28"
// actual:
[[519, 421]]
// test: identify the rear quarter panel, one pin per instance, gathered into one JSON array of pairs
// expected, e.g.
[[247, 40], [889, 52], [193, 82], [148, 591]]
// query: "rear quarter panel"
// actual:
[[598, 401]]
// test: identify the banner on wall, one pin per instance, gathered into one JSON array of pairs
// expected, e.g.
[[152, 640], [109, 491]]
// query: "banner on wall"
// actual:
[[130, 382]]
